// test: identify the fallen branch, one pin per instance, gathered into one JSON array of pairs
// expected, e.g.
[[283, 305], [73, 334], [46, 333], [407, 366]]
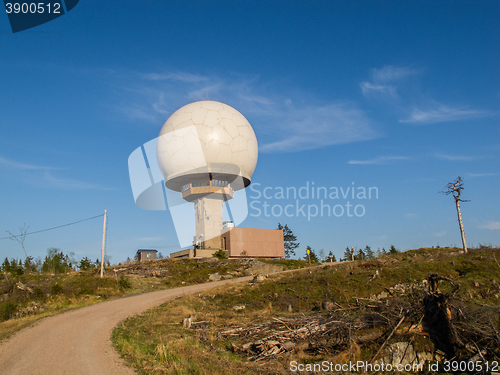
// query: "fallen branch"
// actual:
[[387, 339]]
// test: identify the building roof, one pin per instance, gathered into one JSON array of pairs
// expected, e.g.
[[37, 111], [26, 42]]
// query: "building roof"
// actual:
[[147, 251]]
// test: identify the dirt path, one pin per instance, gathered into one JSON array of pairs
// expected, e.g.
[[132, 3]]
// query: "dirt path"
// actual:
[[78, 342]]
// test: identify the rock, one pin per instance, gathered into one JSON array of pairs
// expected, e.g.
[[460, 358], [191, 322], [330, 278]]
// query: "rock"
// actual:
[[247, 346], [288, 346], [238, 307], [401, 353], [328, 306], [256, 267], [214, 277], [382, 295], [259, 278]]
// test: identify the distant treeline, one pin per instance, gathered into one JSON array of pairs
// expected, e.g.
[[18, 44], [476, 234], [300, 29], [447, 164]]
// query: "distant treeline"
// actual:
[[55, 262]]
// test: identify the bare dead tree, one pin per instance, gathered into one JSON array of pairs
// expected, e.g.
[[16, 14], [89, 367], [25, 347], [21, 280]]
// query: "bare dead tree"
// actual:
[[20, 237], [455, 188]]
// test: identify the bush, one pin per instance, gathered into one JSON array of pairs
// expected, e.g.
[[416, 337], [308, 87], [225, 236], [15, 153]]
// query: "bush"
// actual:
[[7, 309], [124, 283], [220, 254], [56, 289], [86, 264], [38, 293]]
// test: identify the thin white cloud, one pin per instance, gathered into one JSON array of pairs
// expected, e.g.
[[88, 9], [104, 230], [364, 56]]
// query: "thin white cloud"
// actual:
[[68, 184], [138, 113], [481, 174], [177, 76], [315, 127], [439, 234], [379, 160], [15, 164], [491, 225], [369, 88], [286, 122], [392, 73], [42, 174], [456, 157], [443, 113], [150, 239], [383, 84], [392, 85]]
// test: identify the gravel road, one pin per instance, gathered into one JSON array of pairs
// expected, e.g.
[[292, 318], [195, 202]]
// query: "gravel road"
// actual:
[[78, 341]]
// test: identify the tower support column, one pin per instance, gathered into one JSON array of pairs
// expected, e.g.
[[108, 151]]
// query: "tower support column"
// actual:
[[208, 221]]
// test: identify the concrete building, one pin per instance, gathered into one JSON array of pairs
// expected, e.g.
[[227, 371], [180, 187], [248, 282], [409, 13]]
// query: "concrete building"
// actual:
[[242, 243], [253, 242], [146, 254]]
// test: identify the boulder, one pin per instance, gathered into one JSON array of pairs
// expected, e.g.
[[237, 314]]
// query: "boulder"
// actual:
[[259, 278], [214, 277]]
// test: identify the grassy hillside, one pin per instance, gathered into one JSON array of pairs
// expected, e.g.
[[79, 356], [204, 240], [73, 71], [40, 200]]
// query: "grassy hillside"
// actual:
[[27, 295], [381, 310]]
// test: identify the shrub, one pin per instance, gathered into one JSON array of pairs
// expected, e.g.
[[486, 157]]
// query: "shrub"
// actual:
[[124, 283], [220, 254], [56, 289], [7, 309], [38, 293], [86, 264]]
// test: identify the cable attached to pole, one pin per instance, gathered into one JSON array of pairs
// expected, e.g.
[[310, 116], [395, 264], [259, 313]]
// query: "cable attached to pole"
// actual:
[[60, 226]]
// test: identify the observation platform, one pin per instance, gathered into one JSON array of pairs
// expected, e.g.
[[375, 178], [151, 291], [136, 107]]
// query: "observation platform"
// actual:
[[213, 188]]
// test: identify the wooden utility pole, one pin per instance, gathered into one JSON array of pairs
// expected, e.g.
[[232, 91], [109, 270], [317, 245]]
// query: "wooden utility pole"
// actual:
[[455, 188], [103, 243]]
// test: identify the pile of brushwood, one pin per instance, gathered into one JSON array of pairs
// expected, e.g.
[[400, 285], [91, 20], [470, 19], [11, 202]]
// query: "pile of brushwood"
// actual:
[[456, 330]]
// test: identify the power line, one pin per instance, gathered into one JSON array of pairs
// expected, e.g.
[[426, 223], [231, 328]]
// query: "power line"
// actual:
[[60, 226]]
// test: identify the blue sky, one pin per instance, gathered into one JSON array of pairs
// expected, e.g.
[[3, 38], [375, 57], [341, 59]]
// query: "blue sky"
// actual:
[[401, 96]]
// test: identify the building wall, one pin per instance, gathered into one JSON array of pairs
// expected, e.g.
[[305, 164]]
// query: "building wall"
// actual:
[[143, 255], [252, 242], [188, 253]]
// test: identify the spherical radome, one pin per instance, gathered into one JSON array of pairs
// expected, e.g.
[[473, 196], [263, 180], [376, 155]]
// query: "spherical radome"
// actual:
[[207, 139]]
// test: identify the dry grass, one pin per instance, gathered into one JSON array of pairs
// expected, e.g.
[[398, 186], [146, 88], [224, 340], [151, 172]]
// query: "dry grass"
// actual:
[[156, 342]]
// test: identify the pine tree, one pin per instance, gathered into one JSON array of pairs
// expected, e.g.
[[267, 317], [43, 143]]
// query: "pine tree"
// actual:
[[6, 265], [360, 255], [369, 252], [312, 255], [393, 250], [289, 240], [347, 254]]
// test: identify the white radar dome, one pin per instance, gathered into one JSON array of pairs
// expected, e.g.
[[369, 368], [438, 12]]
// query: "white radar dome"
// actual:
[[207, 140]]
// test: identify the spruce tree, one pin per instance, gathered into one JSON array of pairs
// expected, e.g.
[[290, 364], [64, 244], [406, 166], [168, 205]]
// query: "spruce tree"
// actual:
[[289, 240]]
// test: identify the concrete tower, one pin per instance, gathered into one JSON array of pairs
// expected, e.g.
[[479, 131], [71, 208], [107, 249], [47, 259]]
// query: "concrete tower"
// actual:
[[206, 151]]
